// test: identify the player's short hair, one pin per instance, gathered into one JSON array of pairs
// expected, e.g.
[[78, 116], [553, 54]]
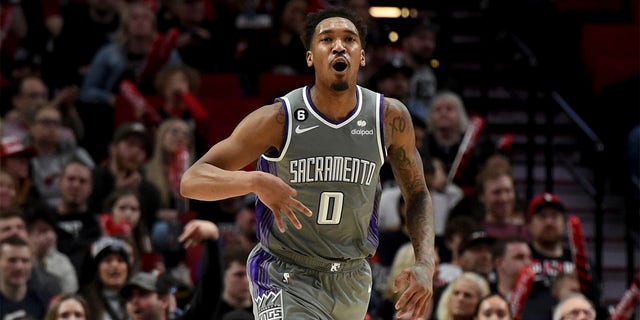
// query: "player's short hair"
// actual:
[[314, 18]]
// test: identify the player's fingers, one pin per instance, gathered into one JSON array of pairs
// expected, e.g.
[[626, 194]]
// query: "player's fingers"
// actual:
[[420, 307], [302, 208], [279, 221], [400, 280], [403, 301], [292, 217]]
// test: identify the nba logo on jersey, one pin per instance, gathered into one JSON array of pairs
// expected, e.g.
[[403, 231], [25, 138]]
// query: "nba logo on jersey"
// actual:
[[270, 306], [334, 267]]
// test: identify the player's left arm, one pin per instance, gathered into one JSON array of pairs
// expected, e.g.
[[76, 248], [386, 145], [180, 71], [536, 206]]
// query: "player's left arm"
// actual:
[[407, 168]]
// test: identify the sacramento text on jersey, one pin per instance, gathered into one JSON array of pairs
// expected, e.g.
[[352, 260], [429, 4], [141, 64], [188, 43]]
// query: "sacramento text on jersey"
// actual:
[[332, 169]]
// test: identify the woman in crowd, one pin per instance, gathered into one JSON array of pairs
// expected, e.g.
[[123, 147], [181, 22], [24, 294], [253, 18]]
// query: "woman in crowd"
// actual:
[[68, 306], [459, 300]]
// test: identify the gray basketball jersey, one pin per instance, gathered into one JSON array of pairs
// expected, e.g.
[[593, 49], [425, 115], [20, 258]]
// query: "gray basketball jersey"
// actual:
[[334, 166]]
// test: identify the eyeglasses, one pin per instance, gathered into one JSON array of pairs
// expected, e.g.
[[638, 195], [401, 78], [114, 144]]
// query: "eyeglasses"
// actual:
[[575, 313]]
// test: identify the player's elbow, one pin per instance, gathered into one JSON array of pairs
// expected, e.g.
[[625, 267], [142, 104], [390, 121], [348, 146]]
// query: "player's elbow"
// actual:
[[186, 185]]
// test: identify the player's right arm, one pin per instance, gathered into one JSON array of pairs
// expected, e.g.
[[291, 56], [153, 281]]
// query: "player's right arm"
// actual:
[[217, 175]]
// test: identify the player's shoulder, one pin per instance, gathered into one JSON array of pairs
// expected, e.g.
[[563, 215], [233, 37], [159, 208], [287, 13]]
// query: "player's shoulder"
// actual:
[[393, 108]]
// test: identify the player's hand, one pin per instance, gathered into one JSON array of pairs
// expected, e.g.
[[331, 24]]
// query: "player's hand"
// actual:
[[419, 291], [280, 198], [197, 230]]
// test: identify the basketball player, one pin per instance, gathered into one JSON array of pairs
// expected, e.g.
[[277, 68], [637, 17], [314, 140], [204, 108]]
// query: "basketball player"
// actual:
[[320, 149]]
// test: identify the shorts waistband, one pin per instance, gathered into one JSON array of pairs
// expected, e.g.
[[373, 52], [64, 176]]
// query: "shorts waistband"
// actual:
[[315, 263]]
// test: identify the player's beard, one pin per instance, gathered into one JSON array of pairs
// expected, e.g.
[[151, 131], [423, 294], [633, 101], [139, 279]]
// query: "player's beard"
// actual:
[[340, 86]]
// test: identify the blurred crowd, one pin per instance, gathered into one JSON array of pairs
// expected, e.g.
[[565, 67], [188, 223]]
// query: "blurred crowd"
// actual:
[[102, 111]]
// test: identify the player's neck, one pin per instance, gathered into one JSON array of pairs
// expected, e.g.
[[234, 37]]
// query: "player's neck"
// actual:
[[335, 105]]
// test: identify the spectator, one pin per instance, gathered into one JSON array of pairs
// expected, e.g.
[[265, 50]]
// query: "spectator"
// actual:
[[235, 294], [128, 152], [68, 306], [550, 256], [209, 285], [123, 58], [147, 297], [112, 266], [52, 152], [418, 47], [15, 156], [461, 297], [575, 306], [121, 219], [43, 240], [447, 123], [8, 191], [16, 297], [493, 306], [30, 93], [392, 80], [404, 258], [510, 255], [456, 230], [173, 153], [77, 226], [12, 224], [475, 253], [564, 285], [243, 231]]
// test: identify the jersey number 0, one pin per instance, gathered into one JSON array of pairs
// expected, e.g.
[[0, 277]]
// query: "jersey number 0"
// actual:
[[330, 210]]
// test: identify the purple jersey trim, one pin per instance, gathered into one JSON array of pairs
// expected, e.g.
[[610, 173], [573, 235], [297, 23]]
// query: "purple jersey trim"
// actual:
[[259, 266], [372, 235], [384, 149]]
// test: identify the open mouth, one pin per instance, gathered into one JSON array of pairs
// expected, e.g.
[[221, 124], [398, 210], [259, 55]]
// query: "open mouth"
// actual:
[[340, 66]]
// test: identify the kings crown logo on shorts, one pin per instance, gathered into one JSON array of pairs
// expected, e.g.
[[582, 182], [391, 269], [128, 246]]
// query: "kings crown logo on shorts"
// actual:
[[269, 306]]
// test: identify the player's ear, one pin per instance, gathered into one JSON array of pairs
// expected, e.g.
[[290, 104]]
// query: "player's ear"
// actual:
[[362, 58], [309, 59]]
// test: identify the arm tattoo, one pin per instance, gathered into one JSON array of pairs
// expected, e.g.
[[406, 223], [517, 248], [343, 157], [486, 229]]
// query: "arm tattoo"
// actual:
[[281, 117]]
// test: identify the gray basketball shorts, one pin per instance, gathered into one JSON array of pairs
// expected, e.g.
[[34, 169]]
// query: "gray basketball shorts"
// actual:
[[307, 288]]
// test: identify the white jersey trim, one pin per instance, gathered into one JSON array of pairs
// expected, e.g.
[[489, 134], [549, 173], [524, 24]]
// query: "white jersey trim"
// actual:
[[287, 106], [307, 103], [381, 146]]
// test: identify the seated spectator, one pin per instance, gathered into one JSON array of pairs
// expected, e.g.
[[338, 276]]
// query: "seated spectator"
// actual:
[[546, 215], [564, 285], [42, 237], [147, 296], [68, 306], [121, 219], [178, 87], [52, 152], [575, 306], [493, 306], [495, 194], [243, 230], [76, 226], [111, 262], [475, 253], [392, 80], [447, 123], [124, 58], [461, 297], [15, 156], [510, 255], [404, 258], [8, 191], [31, 92], [12, 224], [128, 152], [16, 297], [455, 232], [235, 294]]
